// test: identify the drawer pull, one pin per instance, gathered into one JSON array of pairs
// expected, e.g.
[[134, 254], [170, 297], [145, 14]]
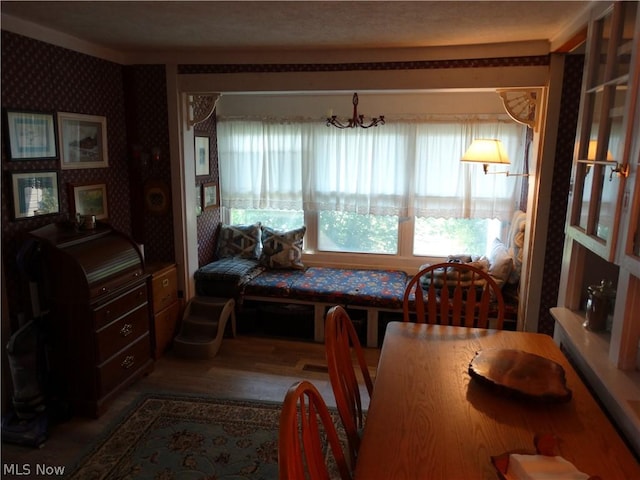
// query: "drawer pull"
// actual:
[[126, 329], [128, 362], [165, 282]]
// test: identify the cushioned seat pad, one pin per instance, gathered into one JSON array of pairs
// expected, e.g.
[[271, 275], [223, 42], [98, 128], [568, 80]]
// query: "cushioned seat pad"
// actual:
[[374, 288], [235, 276], [273, 283]]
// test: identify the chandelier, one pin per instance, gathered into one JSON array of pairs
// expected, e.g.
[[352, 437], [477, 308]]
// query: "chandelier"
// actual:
[[356, 120]]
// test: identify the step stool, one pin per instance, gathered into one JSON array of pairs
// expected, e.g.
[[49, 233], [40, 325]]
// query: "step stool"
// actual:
[[203, 325]]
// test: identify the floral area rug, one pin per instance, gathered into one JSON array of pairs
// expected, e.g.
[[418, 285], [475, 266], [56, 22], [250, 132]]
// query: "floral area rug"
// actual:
[[173, 438]]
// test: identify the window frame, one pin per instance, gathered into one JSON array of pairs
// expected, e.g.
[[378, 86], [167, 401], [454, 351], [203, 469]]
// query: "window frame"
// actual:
[[403, 260], [405, 232]]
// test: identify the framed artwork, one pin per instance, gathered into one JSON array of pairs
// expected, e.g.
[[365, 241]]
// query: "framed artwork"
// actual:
[[83, 141], [156, 197], [31, 135], [202, 155], [209, 195], [89, 200], [35, 193]]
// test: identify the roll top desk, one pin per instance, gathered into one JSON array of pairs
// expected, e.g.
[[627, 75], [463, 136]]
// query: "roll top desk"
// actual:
[[99, 316]]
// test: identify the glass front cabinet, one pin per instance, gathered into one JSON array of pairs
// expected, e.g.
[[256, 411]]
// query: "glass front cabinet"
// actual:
[[602, 153], [601, 260]]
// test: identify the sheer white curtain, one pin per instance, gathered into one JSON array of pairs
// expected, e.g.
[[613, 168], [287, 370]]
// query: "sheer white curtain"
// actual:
[[260, 164], [356, 170], [444, 187], [401, 168]]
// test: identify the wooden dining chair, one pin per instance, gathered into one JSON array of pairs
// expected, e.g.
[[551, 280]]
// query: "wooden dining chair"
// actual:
[[454, 294], [340, 339], [305, 426]]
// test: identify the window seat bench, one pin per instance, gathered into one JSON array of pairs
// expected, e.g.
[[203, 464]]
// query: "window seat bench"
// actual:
[[370, 291], [322, 287]]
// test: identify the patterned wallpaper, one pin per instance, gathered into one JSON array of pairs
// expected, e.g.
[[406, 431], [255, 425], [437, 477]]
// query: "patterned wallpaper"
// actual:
[[40, 77], [210, 219], [148, 129], [569, 107], [335, 67]]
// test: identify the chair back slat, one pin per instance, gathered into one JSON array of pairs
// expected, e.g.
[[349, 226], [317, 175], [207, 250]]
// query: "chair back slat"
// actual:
[[456, 306], [419, 295], [341, 343], [305, 423], [456, 294], [472, 305], [432, 307]]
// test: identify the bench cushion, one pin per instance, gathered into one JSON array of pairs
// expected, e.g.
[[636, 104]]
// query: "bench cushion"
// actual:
[[374, 288], [225, 277], [273, 283], [237, 276]]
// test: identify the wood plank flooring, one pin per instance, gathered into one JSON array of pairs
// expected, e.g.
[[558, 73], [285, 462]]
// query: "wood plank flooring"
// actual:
[[246, 367]]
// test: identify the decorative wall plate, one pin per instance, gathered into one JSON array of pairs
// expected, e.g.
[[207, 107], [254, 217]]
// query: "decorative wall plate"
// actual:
[[521, 373], [156, 197]]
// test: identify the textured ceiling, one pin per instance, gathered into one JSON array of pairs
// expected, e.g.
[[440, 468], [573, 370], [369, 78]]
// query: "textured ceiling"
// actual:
[[297, 25]]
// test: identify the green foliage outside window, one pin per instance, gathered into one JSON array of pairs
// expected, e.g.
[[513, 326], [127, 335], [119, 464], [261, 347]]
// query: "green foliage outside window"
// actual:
[[451, 236], [282, 220], [350, 232], [354, 233]]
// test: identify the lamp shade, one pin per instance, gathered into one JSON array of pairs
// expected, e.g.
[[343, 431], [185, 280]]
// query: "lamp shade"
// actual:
[[486, 151]]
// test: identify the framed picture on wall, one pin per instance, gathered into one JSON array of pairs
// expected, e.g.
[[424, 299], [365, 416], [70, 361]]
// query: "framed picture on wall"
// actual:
[[89, 200], [31, 135], [202, 155], [83, 141], [35, 193], [209, 195]]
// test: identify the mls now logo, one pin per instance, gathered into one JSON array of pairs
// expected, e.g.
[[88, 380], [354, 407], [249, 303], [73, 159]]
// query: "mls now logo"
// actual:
[[27, 469]]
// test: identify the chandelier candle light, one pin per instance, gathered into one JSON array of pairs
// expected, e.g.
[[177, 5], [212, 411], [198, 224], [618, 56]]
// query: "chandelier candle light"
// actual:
[[356, 120]]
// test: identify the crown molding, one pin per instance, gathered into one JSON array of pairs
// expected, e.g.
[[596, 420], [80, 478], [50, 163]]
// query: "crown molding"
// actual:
[[57, 38]]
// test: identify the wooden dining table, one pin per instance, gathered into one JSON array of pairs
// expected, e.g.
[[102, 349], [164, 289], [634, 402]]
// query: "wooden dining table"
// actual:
[[430, 419]]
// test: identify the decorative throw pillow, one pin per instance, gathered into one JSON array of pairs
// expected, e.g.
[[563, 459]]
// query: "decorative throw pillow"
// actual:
[[515, 244], [453, 277], [239, 241], [463, 258], [282, 249], [500, 262]]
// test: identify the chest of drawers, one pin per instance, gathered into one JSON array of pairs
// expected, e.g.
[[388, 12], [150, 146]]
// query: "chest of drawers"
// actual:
[[165, 304]]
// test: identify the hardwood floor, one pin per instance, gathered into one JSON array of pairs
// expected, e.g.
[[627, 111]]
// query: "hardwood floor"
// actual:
[[246, 367]]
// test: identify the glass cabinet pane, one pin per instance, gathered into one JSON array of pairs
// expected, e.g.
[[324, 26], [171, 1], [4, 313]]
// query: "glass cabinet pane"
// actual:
[[623, 63], [636, 237], [633, 247], [586, 172], [616, 132], [601, 46], [595, 114], [607, 207]]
